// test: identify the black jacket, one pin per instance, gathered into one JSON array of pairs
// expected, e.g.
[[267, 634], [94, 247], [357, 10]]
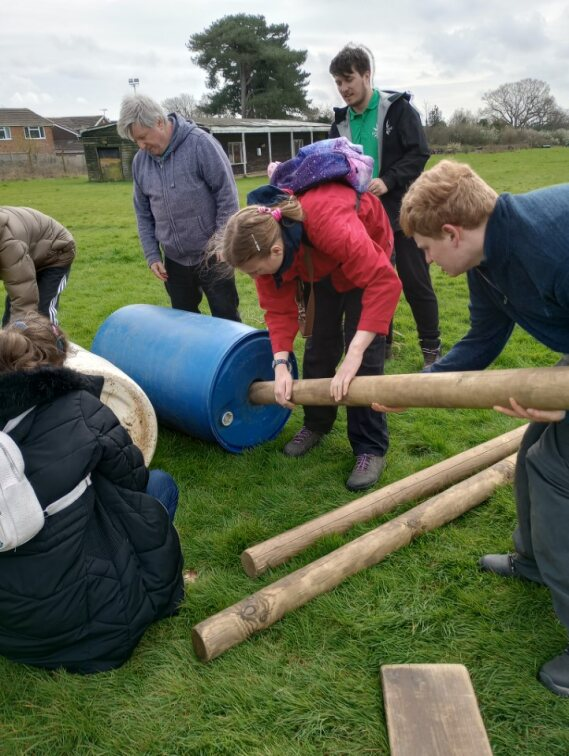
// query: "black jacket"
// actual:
[[82, 592], [403, 147]]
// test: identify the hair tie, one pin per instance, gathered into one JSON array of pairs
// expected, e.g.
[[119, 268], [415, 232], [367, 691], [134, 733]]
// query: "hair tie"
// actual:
[[276, 212], [20, 325]]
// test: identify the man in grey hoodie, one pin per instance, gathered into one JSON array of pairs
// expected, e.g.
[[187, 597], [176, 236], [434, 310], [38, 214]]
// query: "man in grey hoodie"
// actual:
[[184, 191]]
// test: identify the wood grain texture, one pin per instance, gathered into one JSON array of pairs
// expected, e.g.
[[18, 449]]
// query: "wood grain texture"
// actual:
[[432, 710], [274, 551], [538, 388], [233, 625]]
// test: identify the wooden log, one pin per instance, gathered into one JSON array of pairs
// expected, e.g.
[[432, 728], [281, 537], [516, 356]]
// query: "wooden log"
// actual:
[[274, 551], [233, 625], [539, 388], [432, 710]]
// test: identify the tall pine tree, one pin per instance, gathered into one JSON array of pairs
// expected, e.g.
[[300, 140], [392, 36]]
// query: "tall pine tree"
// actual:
[[250, 68]]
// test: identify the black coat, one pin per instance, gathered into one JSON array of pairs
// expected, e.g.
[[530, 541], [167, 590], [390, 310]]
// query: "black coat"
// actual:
[[82, 592]]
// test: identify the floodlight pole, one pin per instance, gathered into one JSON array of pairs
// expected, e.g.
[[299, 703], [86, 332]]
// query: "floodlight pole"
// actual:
[[134, 83]]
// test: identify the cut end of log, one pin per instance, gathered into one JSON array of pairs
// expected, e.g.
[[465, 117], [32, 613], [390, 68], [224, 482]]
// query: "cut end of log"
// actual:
[[249, 565], [200, 647]]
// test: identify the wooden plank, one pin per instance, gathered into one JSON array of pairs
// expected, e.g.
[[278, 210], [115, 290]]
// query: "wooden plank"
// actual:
[[432, 711]]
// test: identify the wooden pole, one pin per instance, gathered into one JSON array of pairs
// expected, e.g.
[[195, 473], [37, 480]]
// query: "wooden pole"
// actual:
[[256, 559], [233, 625], [539, 388]]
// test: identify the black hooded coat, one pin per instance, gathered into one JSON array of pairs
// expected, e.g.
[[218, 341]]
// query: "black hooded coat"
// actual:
[[82, 592]]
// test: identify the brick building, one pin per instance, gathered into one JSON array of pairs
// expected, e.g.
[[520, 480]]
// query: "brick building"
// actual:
[[24, 132]]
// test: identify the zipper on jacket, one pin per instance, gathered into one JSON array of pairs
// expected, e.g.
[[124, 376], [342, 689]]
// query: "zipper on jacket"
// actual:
[[493, 286]]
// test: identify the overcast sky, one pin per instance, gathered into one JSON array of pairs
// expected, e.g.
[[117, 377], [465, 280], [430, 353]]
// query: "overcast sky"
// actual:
[[62, 59]]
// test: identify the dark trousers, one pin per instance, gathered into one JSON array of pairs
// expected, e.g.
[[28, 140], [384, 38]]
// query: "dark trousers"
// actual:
[[335, 323], [51, 282], [542, 500], [186, 285], [418, 289]]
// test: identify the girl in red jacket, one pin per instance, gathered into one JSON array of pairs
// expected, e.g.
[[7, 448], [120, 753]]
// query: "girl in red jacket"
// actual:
[[340, 246]]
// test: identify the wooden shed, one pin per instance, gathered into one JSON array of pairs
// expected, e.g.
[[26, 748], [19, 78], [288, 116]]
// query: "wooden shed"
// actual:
[[108, 156], [250, 144]]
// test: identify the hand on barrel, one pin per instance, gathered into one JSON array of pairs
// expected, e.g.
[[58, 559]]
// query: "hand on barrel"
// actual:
[[536, 416]]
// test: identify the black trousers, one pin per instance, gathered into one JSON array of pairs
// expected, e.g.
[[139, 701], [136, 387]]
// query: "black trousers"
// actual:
[[51, 282], [415, 276], [187, 284], [335, 323], [542, 500]]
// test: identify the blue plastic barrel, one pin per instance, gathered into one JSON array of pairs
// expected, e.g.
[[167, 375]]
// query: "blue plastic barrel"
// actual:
[[196, 371]]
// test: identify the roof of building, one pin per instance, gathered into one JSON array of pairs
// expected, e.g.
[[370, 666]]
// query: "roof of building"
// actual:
[[78, 123], [220, 125], [250, 125], [21, 117]]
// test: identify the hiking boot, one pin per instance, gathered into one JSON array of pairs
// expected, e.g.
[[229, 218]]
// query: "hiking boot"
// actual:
[[303, 442], [431, 355], [554, 674], [366, 472]]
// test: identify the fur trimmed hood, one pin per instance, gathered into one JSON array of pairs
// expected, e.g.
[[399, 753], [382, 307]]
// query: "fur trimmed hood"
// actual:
[[22, 390]]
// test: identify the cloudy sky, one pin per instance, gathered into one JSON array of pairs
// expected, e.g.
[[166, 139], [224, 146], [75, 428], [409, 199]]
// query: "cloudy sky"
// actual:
[[62, 59]]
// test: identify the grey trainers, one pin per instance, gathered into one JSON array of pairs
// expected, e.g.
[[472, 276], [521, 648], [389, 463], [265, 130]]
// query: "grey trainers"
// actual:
[[366, 472], [555, 674], [303, 442]]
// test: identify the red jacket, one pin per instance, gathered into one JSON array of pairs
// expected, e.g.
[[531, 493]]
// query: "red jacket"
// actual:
[[354, 249]]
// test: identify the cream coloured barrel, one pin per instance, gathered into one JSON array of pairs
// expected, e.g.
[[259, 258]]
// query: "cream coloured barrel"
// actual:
[[121, 394]]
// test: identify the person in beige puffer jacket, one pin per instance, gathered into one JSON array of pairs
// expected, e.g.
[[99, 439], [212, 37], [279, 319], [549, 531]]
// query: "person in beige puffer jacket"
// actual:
[[36, 253]]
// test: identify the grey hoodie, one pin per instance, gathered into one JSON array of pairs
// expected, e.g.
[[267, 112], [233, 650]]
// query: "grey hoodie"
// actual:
[[184, 196]]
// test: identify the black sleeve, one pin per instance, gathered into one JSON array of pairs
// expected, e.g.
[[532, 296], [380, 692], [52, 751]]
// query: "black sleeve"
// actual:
[[414, 150], [121, 461]]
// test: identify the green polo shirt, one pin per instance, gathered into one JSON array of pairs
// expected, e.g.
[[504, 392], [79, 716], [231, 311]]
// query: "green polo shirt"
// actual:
[[363, 127]]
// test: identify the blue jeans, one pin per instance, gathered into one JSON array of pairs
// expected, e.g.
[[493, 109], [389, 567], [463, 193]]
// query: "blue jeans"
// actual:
[[162, 486]]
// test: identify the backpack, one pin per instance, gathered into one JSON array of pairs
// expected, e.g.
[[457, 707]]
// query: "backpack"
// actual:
[[325, 160], [21, 515]]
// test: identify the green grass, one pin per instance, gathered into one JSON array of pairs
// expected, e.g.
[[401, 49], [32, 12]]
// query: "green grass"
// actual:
[[309, 684]]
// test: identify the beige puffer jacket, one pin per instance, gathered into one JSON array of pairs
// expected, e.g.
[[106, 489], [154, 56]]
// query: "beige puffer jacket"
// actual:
[[30, 241]]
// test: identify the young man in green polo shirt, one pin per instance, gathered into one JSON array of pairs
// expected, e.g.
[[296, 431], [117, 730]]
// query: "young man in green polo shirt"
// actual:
[[389, 129]]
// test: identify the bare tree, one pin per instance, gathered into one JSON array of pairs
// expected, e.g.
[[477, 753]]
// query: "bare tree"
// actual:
[[318, 112], [185, 104], [462, 117], [523, 104]]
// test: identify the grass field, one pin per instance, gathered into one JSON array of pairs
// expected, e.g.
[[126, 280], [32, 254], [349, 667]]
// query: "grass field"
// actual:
[[310, 684]]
